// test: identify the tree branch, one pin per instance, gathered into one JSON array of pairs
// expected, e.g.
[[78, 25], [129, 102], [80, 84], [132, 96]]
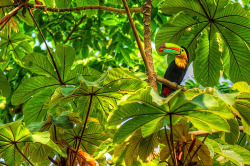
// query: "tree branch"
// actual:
[[51, 56], [110, 9], [138, 40], [74, 29], [3, 163], [198, 133], [169, 83], [147, 43]]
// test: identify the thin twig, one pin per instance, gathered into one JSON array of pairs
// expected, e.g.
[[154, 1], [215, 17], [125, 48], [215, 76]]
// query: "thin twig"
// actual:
[[138, 40], [168, 142], [23, 155], [172, 139], [242, 138], [53, 37], [84, 127], [51, 56], [110, 9], [53, 161], [74, 29], [3, 163], [197, 133]]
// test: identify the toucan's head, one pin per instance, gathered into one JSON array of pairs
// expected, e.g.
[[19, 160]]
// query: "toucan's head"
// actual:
[[181, 53]]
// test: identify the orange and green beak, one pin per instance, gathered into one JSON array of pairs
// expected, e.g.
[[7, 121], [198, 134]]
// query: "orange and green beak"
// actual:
[[170, 48]]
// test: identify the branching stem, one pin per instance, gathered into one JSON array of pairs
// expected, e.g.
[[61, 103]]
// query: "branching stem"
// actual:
[[51, 56], [84, 127], [23, 155]]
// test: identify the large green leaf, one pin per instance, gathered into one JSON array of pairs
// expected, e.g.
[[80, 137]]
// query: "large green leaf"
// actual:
[[66, 56], [33, 110], [138, 110], [93, 137], [32, 86], [102, 94], [219, 28], [4, 85], [12, 139], [39, 64], [207, 59], [15, 45]]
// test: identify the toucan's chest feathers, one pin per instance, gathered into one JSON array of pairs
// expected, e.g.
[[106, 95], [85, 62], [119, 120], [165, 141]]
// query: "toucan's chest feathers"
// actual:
[[181, 61]]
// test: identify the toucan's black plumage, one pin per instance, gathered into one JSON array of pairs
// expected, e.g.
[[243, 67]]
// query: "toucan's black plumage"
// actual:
[[177, 68]]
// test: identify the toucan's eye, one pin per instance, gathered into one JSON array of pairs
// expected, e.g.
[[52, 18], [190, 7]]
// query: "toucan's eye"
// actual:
[[182, 50]]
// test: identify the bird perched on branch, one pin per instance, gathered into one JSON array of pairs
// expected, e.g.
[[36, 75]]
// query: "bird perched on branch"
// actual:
[[177, 68]]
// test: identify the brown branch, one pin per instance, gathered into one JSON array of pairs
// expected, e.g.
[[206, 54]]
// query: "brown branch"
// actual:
[[138, 40], [51, 56], [7, 6], [198, 133], [3, 163], [147, 43], [169, 83], [110, 9], [53, 161], [10, 14], [53, 37], [168, 142], [172, 140], [74, 29], [23, 155]]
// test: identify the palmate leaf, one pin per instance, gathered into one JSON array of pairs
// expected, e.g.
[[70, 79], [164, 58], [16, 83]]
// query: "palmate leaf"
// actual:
[[13, 138], [39, 64], [138, 110], [40, 88], [33, 111], [102, 94], [218, 27], [15, 45], [31, 86], [93, 137]]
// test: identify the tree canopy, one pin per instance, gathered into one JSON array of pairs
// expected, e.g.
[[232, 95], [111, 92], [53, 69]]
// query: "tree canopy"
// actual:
[[80, 83]]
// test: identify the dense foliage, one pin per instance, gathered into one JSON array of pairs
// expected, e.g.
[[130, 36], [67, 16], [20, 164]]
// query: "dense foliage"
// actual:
[[73, 88]]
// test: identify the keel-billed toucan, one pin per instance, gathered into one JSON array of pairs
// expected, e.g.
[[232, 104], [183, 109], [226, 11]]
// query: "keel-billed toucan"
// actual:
[[177, 68]]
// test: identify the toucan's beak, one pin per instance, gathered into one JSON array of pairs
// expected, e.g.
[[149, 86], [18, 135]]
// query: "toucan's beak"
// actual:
[[170, 48]]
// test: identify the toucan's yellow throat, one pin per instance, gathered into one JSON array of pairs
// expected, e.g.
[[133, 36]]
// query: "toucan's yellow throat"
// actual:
[[181, 58]]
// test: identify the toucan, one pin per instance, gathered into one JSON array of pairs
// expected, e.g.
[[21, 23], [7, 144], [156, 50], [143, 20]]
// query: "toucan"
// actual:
[[177, 68]]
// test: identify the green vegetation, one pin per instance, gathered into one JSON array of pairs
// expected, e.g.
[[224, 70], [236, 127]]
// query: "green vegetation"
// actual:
[[78, 80]]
